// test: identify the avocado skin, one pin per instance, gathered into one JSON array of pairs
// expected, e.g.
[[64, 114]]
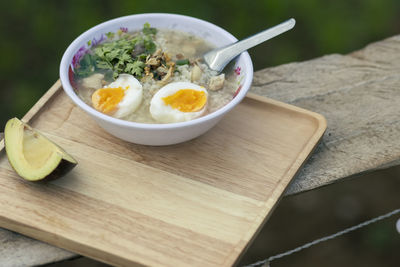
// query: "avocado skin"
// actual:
[[63, 168]]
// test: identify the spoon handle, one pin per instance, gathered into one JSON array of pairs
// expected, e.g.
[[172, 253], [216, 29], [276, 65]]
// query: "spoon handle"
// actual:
[[217, 59]]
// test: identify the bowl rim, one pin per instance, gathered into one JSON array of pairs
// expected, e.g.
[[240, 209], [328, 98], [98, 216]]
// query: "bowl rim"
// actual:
[[82, 39]]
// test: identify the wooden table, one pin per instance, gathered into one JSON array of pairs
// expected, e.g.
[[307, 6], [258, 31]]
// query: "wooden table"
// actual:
[[358, 94]]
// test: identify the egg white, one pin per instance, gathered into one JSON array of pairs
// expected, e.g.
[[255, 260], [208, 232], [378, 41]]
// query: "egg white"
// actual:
[[133, 95], [164, 113]]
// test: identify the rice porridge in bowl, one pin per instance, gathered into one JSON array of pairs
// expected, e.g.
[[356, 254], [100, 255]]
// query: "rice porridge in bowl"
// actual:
[[143, 79], [153, 58]]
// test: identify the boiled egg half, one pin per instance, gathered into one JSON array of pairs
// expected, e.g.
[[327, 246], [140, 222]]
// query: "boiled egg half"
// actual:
[[178, 102], [120, 98]]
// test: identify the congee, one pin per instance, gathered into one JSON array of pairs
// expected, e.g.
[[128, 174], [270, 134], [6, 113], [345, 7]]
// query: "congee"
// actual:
[[150, 76]]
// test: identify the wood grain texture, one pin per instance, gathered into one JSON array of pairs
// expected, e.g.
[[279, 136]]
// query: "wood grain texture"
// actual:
[[198, 203], [359, 95]]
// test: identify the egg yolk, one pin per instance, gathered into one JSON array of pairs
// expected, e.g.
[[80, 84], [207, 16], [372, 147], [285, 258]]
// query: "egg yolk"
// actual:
[[107, 99], [186, 100]]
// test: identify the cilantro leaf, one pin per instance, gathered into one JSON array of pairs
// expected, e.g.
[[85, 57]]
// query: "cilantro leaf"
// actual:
[[149, 45], [119, 55], [104, 65], [135, 68], [115, 75], [86, 65], [147, 30]]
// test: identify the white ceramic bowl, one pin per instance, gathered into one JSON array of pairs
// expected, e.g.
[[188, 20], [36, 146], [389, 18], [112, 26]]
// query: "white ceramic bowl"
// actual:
[[157, 134]]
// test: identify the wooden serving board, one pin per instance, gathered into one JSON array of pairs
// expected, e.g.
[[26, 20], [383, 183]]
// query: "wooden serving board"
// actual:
[[199, 203]]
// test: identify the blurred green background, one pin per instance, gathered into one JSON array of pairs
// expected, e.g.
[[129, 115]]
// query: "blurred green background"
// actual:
[[34, 34]]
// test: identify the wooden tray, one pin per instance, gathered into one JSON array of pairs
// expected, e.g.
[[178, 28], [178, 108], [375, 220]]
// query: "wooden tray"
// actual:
[[199, 203]]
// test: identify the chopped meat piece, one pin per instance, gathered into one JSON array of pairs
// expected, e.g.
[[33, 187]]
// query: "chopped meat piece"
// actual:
[[168, 76], [153, 62], [93, 81], [216, 82], [196, 73]]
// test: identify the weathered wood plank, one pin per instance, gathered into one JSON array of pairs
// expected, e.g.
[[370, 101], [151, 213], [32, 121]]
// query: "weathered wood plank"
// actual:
[[357, 93], [359, 96], [18, 250]]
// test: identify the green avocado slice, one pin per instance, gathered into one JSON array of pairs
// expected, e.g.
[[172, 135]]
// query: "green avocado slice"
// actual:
[[32, 155]]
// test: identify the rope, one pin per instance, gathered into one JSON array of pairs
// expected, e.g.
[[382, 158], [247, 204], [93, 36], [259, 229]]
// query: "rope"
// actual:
[[326, 238]]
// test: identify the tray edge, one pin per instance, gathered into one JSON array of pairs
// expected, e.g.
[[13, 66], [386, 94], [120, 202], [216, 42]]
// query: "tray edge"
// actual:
[[35, 109], [290, 174], [243, 245]]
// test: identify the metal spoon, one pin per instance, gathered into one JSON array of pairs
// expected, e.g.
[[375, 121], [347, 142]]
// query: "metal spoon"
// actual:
[[218, 58]]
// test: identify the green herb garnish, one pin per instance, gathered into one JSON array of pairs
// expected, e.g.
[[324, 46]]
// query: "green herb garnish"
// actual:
[[86, 65], [136, 68], [149, 45], [110, 35], [124, 55], [182, 62], [147, 30]]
